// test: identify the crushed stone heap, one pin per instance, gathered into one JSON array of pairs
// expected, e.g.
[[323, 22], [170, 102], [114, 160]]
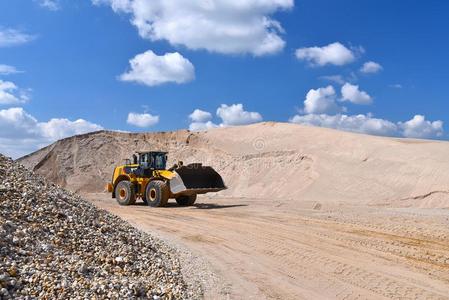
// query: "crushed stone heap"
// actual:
[[55, 245]]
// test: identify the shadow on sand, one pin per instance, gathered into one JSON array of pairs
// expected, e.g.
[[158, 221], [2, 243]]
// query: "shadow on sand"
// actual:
[[216, 206], [198, 205]]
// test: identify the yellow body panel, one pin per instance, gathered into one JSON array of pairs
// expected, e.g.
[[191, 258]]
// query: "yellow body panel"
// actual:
[[141, 182], [165, 174]]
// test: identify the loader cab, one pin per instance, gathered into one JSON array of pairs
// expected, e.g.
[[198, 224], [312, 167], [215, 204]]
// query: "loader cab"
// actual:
[[151, 160]]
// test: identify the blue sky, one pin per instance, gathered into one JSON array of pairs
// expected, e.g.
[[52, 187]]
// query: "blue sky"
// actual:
[[65, 66]]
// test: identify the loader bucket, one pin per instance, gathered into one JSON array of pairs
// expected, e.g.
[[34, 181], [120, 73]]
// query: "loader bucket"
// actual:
[[196, 179]]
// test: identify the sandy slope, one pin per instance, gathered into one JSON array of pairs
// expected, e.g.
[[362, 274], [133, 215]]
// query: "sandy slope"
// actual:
[[271, 160]]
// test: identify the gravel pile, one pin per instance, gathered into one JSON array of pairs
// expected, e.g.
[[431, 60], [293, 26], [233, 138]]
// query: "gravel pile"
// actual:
[[55, 245]]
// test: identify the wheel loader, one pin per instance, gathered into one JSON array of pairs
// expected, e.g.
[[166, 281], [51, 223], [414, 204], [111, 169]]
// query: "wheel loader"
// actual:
[[147, 178]]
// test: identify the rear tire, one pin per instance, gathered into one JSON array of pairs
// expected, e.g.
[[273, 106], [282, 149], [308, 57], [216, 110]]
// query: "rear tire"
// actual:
[[156, 193], [186, 200], [124, 193]]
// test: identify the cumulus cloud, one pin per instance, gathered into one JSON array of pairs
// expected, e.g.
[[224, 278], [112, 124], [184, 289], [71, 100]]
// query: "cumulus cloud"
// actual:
[[234, 114], [230, 115], [200, 126], [13, 37], [223, 26], [16, 123], [201, 120], [419, 127], [56, 129], [371, 67], [321, 100], [353, 94], [355, 123], [321, 109], [333, 54], [151, 69], [142, 120], [7, 70], [21, 133], [10, 94], [49, 4], [199, 115]]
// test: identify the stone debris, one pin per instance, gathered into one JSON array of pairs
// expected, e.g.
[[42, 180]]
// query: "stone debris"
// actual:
[[55, 245]]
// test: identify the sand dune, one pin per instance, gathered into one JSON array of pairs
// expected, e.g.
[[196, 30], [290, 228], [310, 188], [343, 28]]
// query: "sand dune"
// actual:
[[278, 161]]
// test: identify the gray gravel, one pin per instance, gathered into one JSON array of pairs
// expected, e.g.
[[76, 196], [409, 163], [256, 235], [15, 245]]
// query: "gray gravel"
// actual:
[[55, 245]]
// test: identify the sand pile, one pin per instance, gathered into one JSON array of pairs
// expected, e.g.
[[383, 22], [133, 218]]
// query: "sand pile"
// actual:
[[53, 245], [283, 162]]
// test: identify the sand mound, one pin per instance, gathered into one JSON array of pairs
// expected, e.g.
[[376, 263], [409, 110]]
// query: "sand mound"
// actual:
[[284, 162]]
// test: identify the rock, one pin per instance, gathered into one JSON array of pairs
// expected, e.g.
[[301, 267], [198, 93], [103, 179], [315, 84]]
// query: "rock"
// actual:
[[12, 271], [4, 292], [55, 243], [3, 278]]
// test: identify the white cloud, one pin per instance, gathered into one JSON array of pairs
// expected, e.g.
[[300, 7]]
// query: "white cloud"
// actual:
[[321, 100], [13, 37], [50, 4], [16, 123], [200, 126], [396, 86], [230, 115], [355, 123], [352, 94], [10, 94], [199, 115], [21, 133], [321, 109], [56, 129], [419, 127], [235, 115], [371, 67], [223, 26], [150, 69], [201, 120], [332, 54], [142, 120], [6, 70]]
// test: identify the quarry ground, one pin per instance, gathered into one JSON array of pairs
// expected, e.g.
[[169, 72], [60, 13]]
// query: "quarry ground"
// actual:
[[285, 250]]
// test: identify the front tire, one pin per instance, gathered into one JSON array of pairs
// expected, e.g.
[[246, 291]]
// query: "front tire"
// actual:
[[124, 193], [156, 193], [186, 200]]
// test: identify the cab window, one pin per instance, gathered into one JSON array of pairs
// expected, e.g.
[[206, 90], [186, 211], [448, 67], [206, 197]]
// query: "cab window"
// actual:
[[160, 162]]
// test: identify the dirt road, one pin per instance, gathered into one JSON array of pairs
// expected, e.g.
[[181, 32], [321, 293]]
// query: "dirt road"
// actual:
[[264, 249]]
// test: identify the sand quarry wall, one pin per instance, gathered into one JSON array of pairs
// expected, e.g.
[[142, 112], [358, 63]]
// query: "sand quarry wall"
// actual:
[[279, 161]]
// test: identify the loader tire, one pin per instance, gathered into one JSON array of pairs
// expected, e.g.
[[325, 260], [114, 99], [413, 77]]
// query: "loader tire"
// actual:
[[124, 193], [156, 193], [186, 200]]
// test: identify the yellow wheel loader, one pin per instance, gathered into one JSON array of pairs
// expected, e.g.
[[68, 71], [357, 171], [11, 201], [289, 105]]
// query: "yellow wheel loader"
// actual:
[[146, 177]]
